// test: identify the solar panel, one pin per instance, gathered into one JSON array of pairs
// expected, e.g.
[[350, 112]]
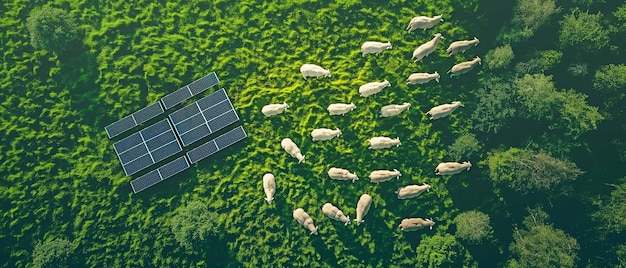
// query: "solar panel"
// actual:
[[215, 145], [132, 120], [146, 147], [203, 117], [162, 173], [190, 90]]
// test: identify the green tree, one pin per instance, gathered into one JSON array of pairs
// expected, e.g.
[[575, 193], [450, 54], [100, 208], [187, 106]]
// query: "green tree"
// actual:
[[539, 96], [52, 29], [193, 223], [473, 226], [583, 31], [464, 146], [443, 251], [52, 253], [539, 244], [497, 102], [610, 79], [578, 69], [499, 57], [529, 16], [525, 170], [611, 214], [540, 62]]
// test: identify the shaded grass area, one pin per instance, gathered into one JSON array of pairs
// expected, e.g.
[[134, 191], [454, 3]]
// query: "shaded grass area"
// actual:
[[62, 178]]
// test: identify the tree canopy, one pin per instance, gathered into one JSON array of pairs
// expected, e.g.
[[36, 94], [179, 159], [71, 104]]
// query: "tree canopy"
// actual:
[[611, 214], [473, 226], [583, 31], [53, 253], [52, 29], [193, 223], [443, 251]]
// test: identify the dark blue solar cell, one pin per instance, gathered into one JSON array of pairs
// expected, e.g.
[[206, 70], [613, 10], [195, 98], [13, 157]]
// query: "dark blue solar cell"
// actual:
[[212, 99], [195, 134], [218, 109], [145, 181], [184, 113], [203, 151], [120, 126], [176, 97], [156, 129], [138, 164], [148, 112], [133, 153], [203, 83], [190, 123], [127, 143], [223, 120], [231, 137], [166, 151], [160, 140], [172, 168]]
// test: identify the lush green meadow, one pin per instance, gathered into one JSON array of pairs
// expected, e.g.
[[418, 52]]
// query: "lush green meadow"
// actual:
[[60, 177]]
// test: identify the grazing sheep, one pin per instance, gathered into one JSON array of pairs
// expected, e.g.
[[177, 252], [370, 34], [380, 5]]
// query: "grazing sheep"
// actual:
[[425, 49], [373, 47], [362, 207], [323, 134], [423, 22], [411, 191], [292, 149], [461, 46], [303, 218], [341, 174], [414, 224], [384, 175], [464, 67], [422, 78], [383, 142], [443, 110], [451, 168], [394, 109], [312, 70], [372, 88], [274, 109], [340, 108], [269, 187], [335, 213]]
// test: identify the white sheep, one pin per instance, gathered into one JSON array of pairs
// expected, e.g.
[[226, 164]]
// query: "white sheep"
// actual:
[[274, 109], [312, 70], [374, 47], [372, 88]]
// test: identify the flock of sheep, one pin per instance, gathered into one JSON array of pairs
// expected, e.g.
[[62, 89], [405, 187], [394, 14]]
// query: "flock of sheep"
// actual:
[[368, 89]]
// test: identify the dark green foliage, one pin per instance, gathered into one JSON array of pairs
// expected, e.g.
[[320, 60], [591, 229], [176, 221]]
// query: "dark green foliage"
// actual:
[[611, 79], [527, 171], [611, 214], [473, 227], [578, 69], [52, 253], [52, 29], [463, 147], [499, 57], [496, 104], [583, 32], [539, 244], [443, 251], [193, 223], [528, 17], [540, 62]]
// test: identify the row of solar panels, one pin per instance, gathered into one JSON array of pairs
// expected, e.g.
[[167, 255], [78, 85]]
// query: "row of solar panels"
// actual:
[[159, 107], [182, 163], [191, 123]]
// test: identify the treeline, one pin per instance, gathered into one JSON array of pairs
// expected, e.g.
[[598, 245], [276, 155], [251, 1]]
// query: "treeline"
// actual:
[[542, 124]]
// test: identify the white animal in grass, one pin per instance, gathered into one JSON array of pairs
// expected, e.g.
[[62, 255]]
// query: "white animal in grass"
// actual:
[[425, 49], [443, 110], [422, 78], [411, 191], [461, 46], [414, 224], [341, 174], [323, 134], [269, 187], [394, 109], [303, 218], [464, 67], [384, 175], [292, 149], [362, 207], [335, 213], [383, 142], [374, 47], [423, 22], [312, 70], [451, 168], [274, 109], [372, 88], [340, 108]]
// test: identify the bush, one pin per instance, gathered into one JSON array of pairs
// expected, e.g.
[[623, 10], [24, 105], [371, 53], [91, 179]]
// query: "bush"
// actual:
[[473, 226], [52, 29], [464, 147], [499, 57], [52, 253], [192, 223], [583, 32]]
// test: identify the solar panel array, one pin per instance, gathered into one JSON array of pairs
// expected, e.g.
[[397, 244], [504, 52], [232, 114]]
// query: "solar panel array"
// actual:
[[132, 120], [167, 137], [146, 147], [204, 117], [188, 91]]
